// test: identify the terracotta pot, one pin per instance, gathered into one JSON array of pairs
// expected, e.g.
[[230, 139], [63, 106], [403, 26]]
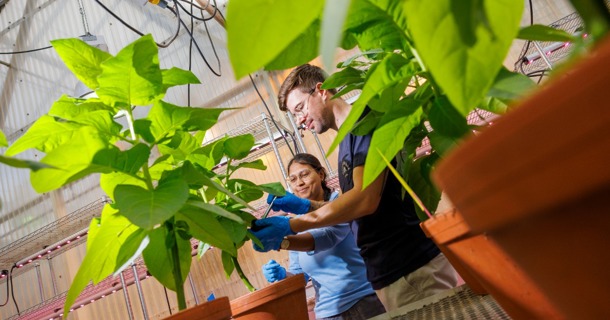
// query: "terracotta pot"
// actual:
[[217, 309], [485, 267], [537, 181], [281, 300]]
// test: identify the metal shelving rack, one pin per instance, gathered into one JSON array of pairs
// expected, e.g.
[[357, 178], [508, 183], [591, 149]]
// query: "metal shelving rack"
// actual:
[[539, 57]]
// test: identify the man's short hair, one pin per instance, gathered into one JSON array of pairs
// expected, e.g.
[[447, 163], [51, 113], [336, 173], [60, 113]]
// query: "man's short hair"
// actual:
[[304, 78]]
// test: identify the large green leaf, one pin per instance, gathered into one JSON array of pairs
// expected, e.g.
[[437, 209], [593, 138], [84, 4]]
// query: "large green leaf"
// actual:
[[539, 32], [109, 181], [91, 112], [71, 161], [82, 59], [18, 163], [376, 24], [446, 120], [166, 118], [238, 147], [463, 43], [205, 227], [148, 208], [116, 237], [46, 134], [255, 39], [70, 108], [419, 180], [87, 153], [344, 77], [159, 258], [235, 230], [176, 76], [3, 142], [390, 71], [301, 50], [214, 209], [227, 263], [390, 135], [133, 76], [510, 85]]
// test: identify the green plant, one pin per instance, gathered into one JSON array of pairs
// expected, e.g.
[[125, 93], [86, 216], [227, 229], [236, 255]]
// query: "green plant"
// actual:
[[160, 179], [422, 65]]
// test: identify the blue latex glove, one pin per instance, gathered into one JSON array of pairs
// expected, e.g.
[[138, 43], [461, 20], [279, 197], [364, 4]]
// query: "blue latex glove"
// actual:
[[273, 271], [271, 232], [290, 203]]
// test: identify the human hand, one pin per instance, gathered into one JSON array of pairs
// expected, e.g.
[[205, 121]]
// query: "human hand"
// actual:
[[290, 203], [273, 271], [271, 232]]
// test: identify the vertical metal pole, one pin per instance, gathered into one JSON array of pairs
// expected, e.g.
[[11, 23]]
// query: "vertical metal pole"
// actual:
[[275, 150], [330, 169], [139, 287], [272, 96], [193, 288], [543, 54], [52, 271], [126, 295], [297, 133], [37, 265]]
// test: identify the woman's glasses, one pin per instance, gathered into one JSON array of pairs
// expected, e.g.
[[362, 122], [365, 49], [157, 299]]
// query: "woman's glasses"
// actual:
[[304, 176]]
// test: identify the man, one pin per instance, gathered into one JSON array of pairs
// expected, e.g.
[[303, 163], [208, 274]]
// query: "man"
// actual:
[[403, 265]]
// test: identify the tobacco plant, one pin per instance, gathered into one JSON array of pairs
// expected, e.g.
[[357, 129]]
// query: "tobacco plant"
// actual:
[[423, 67], [155, 169]]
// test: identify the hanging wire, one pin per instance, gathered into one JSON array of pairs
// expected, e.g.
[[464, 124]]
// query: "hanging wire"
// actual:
[[84, 17], [26, 51], [200, 8], [216, 73], [271, 117], [160, 45], [527, 44]]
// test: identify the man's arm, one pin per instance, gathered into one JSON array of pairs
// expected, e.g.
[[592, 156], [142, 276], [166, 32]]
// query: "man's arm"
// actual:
[[350, 205]]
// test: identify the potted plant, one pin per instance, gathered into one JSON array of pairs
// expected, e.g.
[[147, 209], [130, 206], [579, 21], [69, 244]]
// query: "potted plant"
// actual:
[[548, 201], [425, 67], [157, 173]]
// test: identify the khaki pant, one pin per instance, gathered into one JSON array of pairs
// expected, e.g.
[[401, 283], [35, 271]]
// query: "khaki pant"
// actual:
[[436, 276]]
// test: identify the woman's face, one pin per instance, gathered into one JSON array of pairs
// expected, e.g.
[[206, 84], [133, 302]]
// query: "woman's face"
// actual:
[[305, 181]]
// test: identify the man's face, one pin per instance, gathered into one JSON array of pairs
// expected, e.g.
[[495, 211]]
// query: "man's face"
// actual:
[[309, 109]]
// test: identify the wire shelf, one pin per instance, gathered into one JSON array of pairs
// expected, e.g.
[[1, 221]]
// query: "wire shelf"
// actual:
[[258, 128], [457, 303], [530, 61], [71, 224]]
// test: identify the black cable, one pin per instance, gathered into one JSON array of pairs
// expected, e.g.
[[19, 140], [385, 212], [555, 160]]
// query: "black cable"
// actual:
[[167, 299], [270, 116], [27, 51], [138, 31], [7, 293], [196, 6], [527, 44], [218, 74], [195, 17], [10, 277]]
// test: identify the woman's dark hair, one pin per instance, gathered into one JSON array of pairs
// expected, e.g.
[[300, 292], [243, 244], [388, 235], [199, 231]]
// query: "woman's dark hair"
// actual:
[[311, 160]]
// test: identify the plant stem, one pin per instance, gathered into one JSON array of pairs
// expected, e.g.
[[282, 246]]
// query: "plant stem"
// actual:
[[178, 277], [241, 274], [147, 176], [417, 200]]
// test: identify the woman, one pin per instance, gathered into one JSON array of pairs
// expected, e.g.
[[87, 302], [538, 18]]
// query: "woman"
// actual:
[[328, 255]]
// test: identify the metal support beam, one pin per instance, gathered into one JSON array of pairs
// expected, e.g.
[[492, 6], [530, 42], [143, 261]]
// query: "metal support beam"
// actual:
[[140, 293]]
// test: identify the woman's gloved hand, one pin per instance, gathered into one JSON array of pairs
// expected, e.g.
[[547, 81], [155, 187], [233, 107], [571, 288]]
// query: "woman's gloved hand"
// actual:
[[273, 271], [290, 203]]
